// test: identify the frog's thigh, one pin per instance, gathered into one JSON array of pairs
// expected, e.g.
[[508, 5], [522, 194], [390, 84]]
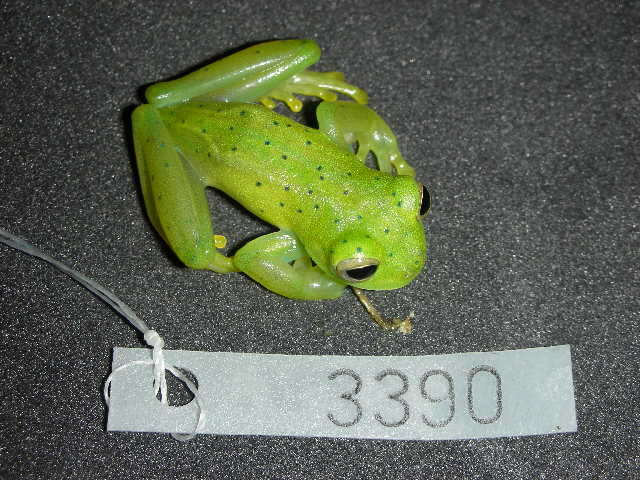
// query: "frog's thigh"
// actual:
[[267, 260], [174, 195], [347, 123], [242, 77]]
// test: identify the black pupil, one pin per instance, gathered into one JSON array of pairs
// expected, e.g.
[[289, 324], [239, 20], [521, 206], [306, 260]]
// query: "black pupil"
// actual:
[[426, 201], [361, 273]]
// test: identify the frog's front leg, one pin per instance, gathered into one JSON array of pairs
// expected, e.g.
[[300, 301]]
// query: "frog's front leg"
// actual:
[[174, 194], [279, 263], [347, 123]]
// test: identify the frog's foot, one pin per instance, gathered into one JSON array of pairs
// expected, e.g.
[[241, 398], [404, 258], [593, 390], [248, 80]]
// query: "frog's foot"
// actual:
[[219, 241], [347, 123], [403, 325], [324, 85], [388, 157]]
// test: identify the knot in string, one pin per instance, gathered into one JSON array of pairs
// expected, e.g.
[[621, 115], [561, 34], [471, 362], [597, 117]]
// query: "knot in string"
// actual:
[[155, 341], [151, 337]]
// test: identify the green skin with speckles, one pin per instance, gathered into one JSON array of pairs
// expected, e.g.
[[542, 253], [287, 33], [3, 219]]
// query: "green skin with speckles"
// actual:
[[329, 207]]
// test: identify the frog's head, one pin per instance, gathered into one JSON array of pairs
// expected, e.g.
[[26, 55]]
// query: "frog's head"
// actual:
[[391, 250]]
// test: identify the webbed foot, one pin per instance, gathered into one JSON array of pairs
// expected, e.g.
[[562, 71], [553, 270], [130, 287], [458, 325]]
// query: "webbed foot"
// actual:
[[348, 123], [324, 85]]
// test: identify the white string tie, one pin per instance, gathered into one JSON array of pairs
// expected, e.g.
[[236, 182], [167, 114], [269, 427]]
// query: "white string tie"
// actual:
[[155, 341], [151, 337]]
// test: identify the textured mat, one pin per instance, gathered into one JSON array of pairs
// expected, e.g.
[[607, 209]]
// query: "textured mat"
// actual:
[[522, 120]]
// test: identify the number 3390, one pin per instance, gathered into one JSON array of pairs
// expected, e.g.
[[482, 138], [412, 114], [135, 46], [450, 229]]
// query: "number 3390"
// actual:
[[426, 391]]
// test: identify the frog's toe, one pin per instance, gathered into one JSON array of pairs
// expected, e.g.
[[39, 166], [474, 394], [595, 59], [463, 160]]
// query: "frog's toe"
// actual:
[[315, 91], [219, 241], [323, 93], [359, 95], [335, 75], [282, 95], [328, 96], [319, 83], [324, 85], [294, 103], [268, 102]]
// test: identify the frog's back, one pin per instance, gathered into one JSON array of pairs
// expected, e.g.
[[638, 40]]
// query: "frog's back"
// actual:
[[283, 172]]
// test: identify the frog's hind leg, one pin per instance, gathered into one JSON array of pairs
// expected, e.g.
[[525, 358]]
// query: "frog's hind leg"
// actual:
[[325, 85], [347, 123], [244, 76], [174, 195]]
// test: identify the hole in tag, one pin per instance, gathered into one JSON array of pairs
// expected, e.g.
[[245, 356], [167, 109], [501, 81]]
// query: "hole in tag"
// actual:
[[178, 394]]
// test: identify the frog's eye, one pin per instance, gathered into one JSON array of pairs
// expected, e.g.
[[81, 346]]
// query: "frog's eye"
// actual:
[[425, 201], [357, 269]]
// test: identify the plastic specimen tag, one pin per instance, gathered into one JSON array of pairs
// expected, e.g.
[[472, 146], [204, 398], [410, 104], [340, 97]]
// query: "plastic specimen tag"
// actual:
[[432, 397]]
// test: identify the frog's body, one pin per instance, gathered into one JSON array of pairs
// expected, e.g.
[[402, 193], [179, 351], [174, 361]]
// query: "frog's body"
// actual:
[[329, 207]]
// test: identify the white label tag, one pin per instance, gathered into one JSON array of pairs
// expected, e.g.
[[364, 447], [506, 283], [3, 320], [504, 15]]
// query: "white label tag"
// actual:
[[431, 397]]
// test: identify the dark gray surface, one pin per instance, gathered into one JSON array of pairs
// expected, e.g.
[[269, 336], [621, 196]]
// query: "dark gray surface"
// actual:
[[524, 122]]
